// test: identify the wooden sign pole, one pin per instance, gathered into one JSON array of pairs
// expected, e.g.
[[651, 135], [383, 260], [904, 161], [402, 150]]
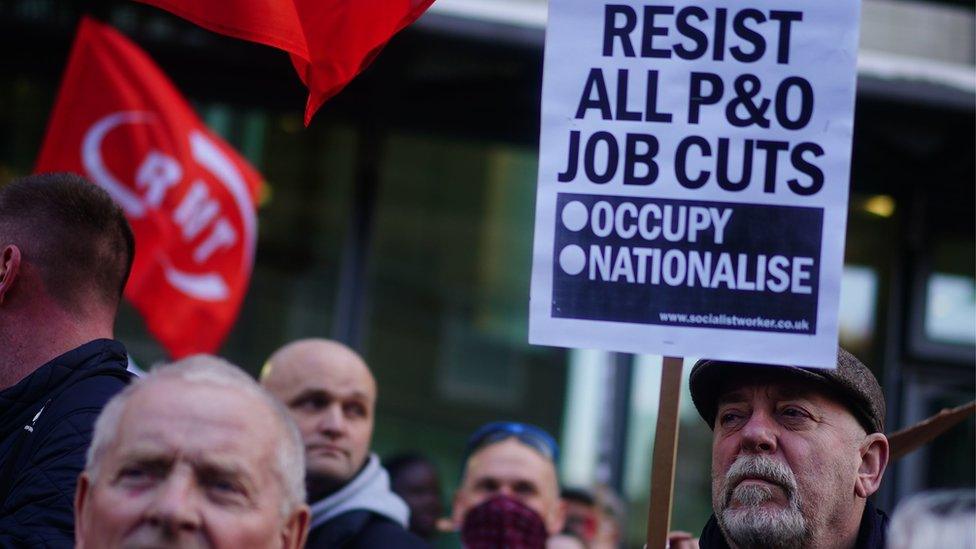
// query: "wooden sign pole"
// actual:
[[665, 450]]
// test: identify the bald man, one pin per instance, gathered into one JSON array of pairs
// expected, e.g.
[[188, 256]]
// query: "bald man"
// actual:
[[331, 395]]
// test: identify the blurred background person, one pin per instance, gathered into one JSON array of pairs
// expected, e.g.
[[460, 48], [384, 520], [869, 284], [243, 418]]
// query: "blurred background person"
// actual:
[[509, 492], [414, 478], [581, 514], [594, 516], [944, 519]]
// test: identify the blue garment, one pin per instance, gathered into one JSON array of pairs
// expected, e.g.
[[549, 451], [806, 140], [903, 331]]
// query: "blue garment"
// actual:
[[870, 535], [46, 423]]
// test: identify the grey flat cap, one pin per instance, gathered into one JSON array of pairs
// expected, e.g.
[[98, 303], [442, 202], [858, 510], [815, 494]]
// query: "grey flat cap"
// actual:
[[852, 382]]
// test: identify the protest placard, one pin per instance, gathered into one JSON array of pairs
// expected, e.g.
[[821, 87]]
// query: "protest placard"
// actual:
[[693, 178]]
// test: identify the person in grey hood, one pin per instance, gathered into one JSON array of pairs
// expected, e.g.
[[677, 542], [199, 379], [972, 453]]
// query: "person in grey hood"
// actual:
[[331, 394]]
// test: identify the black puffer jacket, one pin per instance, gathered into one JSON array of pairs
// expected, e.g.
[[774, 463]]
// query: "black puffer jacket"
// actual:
[[46, 423]]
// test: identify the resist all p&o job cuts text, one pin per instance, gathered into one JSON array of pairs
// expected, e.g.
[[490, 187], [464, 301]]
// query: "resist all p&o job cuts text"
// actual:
[[745, 101]]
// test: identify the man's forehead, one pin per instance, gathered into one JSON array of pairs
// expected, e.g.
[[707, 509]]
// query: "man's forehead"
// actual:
[[220, 457], [511, 458], [336, 373], [775, 386], [329, 388], [183, 417]]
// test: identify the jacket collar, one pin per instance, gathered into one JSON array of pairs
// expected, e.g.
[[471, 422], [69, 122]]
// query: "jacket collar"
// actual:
[[367, 491]]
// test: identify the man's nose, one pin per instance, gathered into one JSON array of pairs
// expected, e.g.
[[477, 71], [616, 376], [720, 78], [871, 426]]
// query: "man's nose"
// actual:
[[759, 434], [175, 507], [507, 491], [332, 420]]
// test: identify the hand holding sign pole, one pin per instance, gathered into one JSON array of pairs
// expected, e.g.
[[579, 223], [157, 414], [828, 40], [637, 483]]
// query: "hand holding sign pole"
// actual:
[[693, 184]]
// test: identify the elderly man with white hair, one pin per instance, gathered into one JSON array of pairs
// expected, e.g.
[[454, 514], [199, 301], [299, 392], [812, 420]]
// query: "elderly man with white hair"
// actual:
[[195, 454]]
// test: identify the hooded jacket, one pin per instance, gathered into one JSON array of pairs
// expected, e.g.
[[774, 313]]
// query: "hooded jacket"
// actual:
[[46, 423], [364, 513]]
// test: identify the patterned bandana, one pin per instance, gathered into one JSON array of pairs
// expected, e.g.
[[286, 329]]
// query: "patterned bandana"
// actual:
[[503, 523]]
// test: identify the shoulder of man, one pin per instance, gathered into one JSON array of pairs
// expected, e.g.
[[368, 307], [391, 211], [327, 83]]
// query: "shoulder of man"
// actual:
[[83, 394], [38, 498], [362, 529]]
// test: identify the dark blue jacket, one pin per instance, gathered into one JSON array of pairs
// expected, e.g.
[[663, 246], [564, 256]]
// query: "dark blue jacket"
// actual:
[[42, 455], [362, 529]]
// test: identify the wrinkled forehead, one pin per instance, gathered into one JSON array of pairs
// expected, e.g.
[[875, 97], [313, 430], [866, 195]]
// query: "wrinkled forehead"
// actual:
[[164, 453], [187, 417]]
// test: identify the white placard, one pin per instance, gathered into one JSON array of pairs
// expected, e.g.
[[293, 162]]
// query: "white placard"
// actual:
[[693, 178]]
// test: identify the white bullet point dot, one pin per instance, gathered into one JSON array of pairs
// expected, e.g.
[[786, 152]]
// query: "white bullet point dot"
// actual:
[[575, 216], [572, 259]]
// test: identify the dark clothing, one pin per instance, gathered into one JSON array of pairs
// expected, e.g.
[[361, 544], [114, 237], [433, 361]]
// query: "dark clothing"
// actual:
[[871, 534], [362, 529], [46, 423], [874, 528], [363, 513]]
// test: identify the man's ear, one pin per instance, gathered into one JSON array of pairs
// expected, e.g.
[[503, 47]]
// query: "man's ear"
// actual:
[[84, 485], [874, 460], [9, 268], [296, 528]]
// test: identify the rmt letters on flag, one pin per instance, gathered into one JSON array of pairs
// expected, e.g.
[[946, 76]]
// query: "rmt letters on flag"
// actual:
[[693, 177]]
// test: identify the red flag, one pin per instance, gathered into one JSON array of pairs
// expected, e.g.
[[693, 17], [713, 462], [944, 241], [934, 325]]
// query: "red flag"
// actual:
[[189, 197], [330, 41]]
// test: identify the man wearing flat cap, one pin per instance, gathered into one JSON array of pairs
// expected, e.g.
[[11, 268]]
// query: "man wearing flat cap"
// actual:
[[796, 454]]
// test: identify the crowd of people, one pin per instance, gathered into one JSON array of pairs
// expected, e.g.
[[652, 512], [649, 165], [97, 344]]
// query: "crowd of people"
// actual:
[[199, 454]]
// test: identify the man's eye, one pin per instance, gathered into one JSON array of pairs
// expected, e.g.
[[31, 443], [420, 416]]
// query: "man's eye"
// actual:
[[355, 410], [311, 404], [137, 476], [224, 486], [729, 418], [488, 486], [225, 491], [792, 412], [132, 472], [525, 489]]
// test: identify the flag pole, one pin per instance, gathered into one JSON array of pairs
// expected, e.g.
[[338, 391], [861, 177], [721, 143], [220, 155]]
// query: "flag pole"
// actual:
[[665, 450]]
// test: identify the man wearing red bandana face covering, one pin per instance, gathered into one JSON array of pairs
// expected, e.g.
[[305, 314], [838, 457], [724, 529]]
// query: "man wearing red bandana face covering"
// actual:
[[509, 493], [502, 521]]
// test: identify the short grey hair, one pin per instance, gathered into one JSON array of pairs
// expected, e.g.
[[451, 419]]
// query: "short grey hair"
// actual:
[[290, 452], [940, 518]]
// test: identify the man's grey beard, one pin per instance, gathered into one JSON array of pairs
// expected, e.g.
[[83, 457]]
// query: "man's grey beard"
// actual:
[[751, 525]]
